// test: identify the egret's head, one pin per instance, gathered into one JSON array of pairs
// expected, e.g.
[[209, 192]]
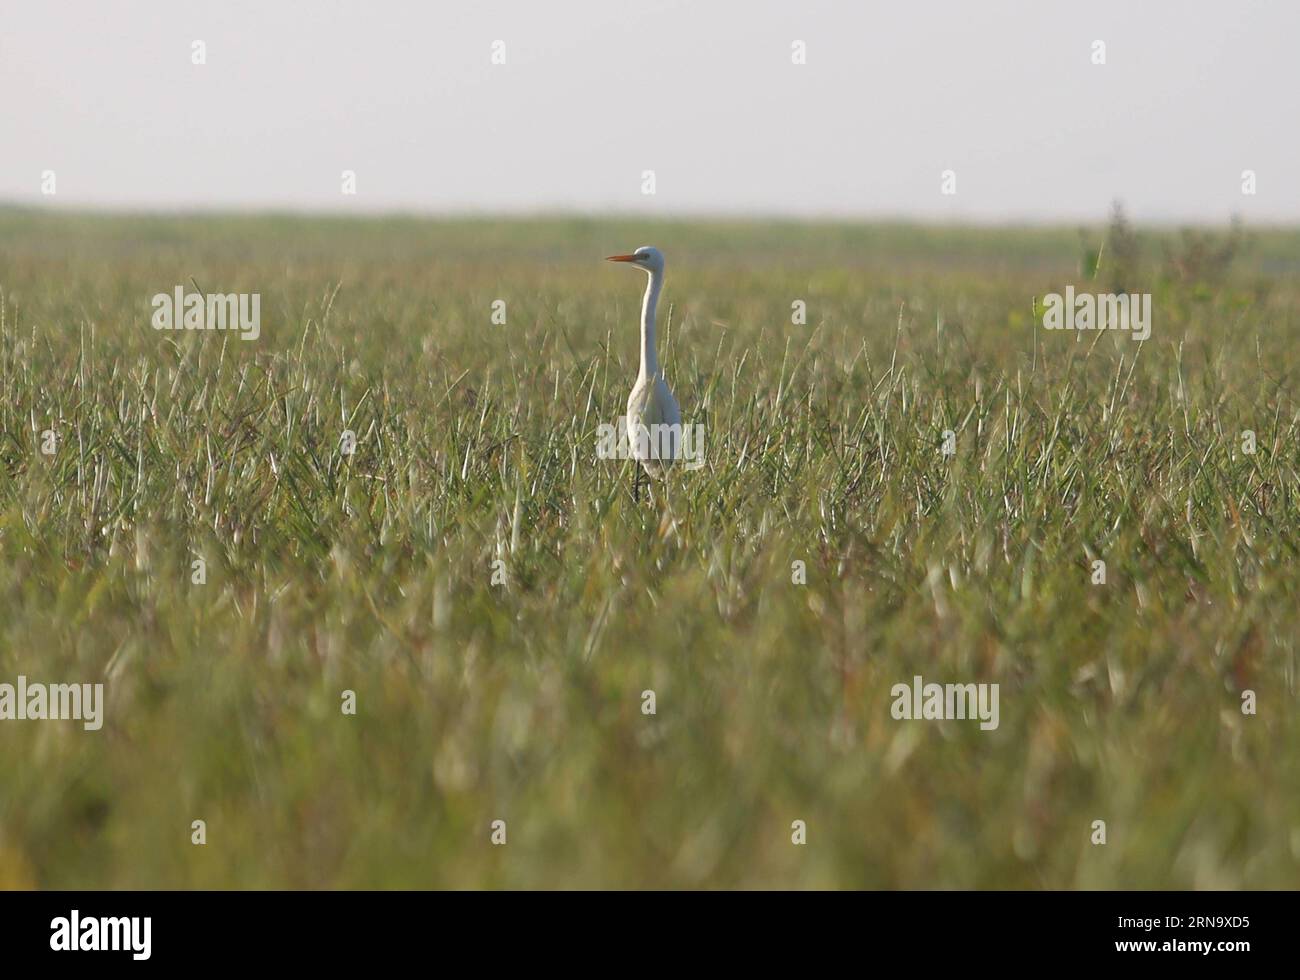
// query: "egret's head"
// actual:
[[646, 257]]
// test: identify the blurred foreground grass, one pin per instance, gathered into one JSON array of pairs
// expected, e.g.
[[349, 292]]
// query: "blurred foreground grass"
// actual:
[[522, 702]]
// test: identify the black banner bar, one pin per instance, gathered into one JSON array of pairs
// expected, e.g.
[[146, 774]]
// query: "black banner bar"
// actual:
[[143, 930]]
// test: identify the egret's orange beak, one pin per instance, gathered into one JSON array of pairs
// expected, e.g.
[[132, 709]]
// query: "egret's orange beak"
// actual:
[[620, 258]]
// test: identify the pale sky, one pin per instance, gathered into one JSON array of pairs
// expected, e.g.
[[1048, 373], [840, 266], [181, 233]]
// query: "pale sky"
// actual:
[[1005, 94]]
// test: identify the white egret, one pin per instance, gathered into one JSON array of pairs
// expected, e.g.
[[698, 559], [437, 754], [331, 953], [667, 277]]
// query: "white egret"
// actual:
[[654, 422]]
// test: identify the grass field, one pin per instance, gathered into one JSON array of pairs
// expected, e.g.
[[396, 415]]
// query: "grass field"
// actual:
[[522, 701]]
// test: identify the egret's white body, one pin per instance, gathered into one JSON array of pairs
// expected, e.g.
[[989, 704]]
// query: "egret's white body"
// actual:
[[651, 404]]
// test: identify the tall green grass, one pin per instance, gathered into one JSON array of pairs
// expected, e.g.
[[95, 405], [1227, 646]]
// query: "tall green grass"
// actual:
[[523, 701]]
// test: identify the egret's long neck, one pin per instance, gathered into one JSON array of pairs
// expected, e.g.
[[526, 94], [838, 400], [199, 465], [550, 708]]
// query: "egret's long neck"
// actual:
[[649, 362]]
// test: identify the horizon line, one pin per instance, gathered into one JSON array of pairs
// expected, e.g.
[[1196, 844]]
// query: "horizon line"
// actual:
[[976, 221]]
